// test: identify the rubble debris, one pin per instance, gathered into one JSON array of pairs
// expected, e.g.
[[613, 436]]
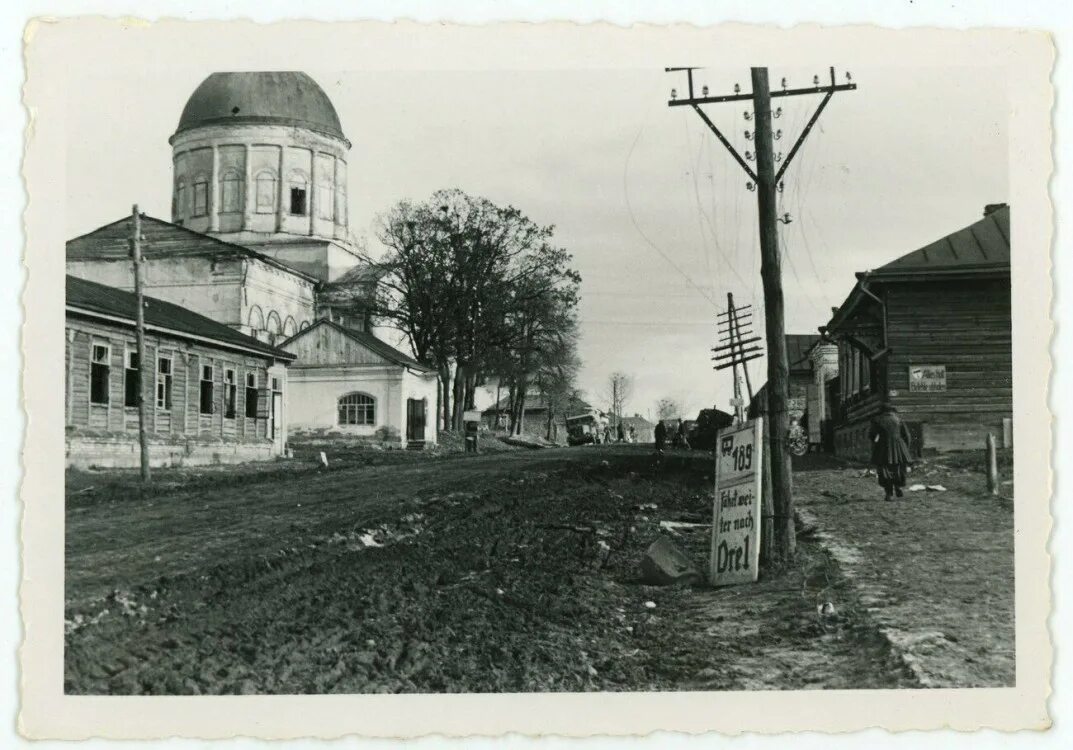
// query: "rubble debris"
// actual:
[[676, 527], [323, 460], [916, 488], [936, 488], [664, 564]]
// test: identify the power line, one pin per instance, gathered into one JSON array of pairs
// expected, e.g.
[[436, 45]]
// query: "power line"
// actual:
[[633, 220]]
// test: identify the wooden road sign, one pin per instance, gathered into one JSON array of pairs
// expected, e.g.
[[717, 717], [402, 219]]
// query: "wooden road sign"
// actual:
[[739, 458]]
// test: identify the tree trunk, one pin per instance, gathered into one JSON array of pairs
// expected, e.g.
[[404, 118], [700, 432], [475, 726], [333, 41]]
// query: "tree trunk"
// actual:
[[461, 374], [445, 388]]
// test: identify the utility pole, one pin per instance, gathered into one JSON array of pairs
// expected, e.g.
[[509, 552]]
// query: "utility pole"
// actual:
[[732, 351], [767, 181], [139, 323]]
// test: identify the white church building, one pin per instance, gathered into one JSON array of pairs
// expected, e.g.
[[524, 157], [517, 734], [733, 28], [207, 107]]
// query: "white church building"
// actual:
[[259, 240]]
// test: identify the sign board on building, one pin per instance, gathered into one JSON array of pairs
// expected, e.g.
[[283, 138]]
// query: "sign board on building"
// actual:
[[735, 554], [471, 416], [927, 378]]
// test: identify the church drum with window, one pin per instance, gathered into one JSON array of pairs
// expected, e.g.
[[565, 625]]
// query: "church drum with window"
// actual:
[[193, 368]]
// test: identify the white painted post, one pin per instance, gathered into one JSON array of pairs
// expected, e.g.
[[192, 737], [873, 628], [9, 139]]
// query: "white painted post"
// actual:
[[992, 465]]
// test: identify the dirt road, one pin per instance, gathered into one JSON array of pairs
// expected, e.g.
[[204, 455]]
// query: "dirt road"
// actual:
[[511, 572]]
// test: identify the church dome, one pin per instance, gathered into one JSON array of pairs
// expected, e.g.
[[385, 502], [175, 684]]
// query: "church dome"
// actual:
[[288, 98]]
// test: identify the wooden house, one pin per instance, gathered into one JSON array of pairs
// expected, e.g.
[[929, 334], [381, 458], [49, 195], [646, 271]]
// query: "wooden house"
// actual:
[[930, 333], [215, 395]]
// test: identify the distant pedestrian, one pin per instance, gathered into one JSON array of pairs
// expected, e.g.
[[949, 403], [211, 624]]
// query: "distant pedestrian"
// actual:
[[890, 450], [680, 437], [621, 433], [633, 434], [607, 433], [660, 436]]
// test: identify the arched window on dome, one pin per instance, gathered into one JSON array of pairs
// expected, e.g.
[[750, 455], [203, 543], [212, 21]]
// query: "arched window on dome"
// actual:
[[289, 327], [232, 188], [178, 205], [201, 195], [266, 192], [298, 186]]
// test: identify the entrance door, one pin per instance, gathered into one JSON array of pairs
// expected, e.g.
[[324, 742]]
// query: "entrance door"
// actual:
[[415, 420], [275, 422]]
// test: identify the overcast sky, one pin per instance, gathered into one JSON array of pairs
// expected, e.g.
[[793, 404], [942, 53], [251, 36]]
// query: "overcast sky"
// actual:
[[655, 212]]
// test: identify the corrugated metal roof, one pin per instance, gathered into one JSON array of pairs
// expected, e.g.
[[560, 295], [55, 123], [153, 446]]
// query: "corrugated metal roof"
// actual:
[[91, 297], [982, 245], [162, 240]]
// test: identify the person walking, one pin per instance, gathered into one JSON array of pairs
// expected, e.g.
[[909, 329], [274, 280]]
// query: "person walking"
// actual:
[[633, 434], [890, 450], [621, 433], [660, 435], [681, 438]]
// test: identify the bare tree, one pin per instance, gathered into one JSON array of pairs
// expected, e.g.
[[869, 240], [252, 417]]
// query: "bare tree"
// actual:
[[668, 408]]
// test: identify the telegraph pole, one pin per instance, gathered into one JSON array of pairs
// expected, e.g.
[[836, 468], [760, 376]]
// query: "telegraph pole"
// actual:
[[139, 322], [766, 181], [732, 350], [778, 371]]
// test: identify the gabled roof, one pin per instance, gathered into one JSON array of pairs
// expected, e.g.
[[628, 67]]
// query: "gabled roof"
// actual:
[[638, 423], [980, 250], [162, 240], [982, 246], [369, 341], [91, 298]]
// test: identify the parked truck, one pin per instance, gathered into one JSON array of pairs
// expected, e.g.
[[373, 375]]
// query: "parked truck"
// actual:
[[585, 428]]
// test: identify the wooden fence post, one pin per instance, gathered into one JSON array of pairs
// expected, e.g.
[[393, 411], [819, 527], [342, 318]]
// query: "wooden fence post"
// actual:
[[992, 465]]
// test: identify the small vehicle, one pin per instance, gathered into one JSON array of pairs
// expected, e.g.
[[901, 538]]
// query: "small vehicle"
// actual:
[[582, 429]]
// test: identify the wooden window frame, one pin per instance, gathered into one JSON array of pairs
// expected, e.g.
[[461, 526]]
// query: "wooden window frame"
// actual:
[[251, 394], [129, 353], [164, 382], [107, 365], [230, 393], [210, 383]]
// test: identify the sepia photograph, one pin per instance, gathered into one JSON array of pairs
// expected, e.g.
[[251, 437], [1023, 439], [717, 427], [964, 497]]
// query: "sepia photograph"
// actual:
[[657, 377]]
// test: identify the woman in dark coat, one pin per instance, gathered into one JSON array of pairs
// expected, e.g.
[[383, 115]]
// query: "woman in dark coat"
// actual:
[[890, 450]]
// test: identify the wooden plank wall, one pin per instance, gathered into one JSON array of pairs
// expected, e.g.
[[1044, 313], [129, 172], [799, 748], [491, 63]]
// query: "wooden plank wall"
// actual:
[[184, 418], [964, 326]]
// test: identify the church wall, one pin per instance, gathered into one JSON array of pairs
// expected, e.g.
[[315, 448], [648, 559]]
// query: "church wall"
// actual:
[[264, 171], [206, 285], [297, 168], [275, 297]]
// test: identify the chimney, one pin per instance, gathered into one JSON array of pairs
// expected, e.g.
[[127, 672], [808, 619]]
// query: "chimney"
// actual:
[[990, 208]]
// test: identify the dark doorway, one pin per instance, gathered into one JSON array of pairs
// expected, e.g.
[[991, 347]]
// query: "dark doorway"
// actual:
[[415, 420]]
